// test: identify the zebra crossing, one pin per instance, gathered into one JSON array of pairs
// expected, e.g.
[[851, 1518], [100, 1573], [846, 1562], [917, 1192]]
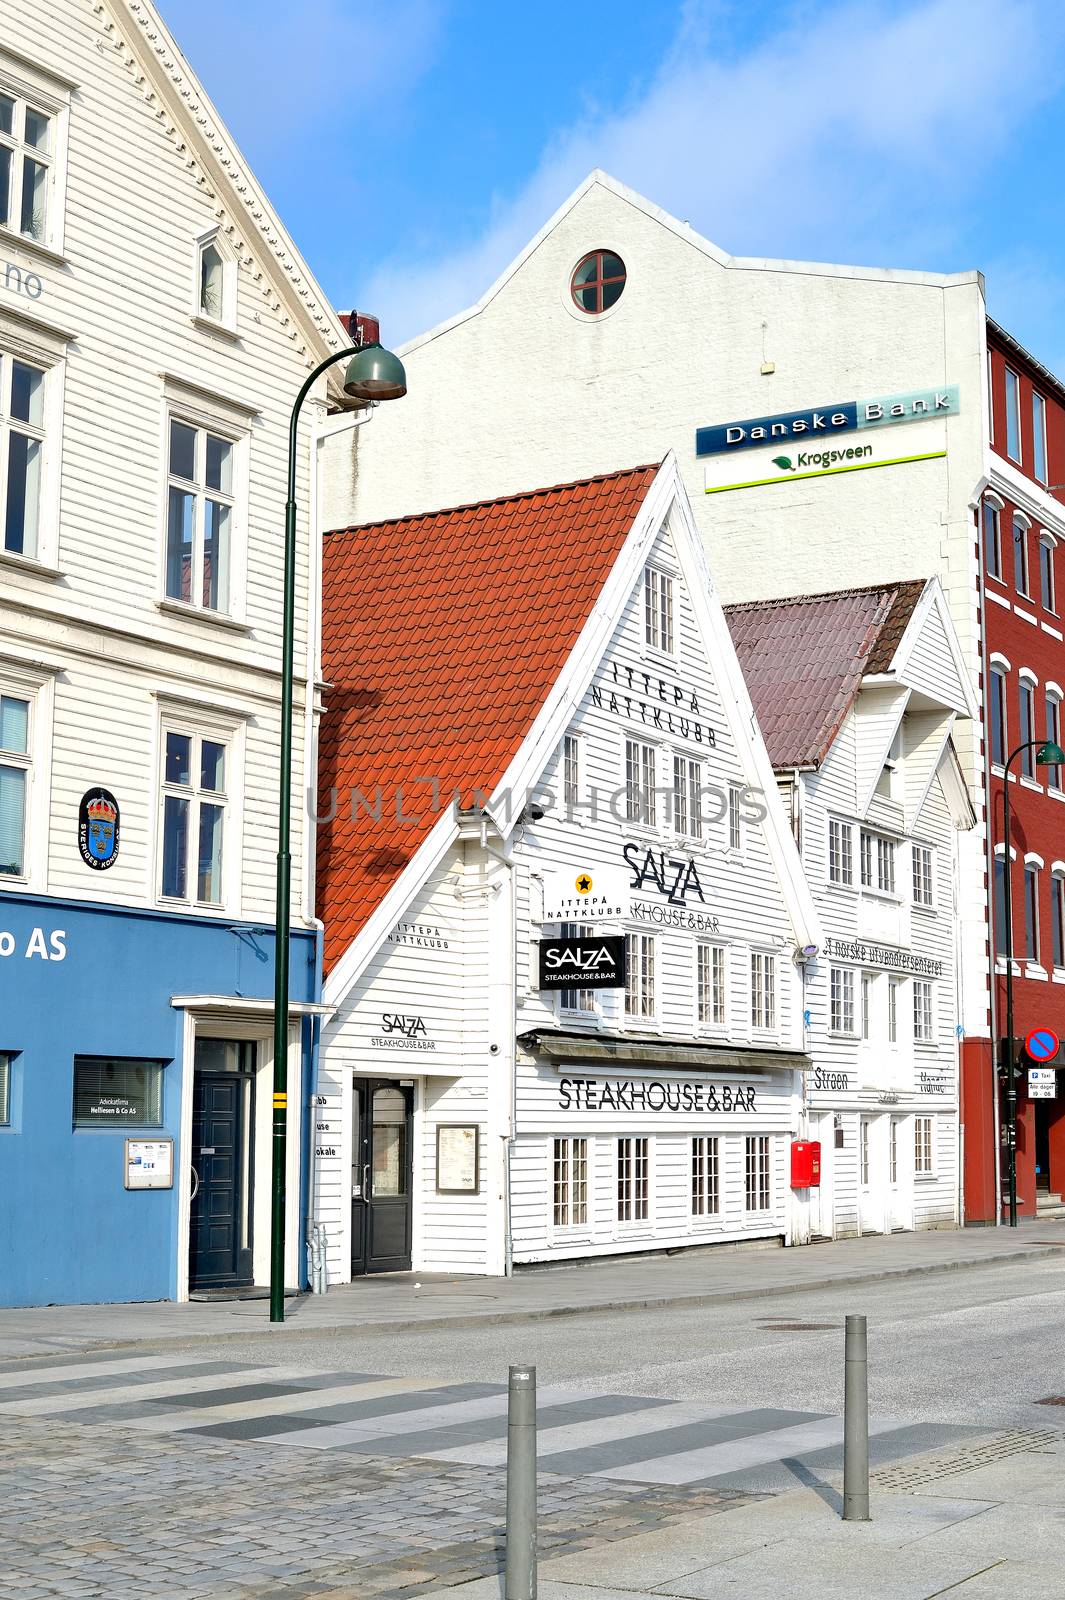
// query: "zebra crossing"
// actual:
[[625, 1438]]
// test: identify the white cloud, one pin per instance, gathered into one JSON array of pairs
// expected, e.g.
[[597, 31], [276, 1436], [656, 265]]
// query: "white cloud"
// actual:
[[854, 134]]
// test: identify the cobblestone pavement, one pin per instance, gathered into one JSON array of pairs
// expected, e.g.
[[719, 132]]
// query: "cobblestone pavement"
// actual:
[[95, 1510]]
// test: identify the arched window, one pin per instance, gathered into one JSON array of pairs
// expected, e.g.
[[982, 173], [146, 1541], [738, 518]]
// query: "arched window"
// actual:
[[1057, 913], [996, 709], [1032, 864], [1026, 722], [1020, 554], [1046, 572], [1053, 732], [992, 539]]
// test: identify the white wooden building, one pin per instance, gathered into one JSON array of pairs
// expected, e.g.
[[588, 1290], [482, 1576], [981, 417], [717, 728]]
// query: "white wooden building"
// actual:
[[857, 692], [556, 664]]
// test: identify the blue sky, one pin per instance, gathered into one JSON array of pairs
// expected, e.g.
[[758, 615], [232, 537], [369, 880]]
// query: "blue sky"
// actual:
[[412, 147]]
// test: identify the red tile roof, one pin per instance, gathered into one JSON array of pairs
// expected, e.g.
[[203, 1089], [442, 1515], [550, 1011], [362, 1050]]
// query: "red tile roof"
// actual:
[[442, 635], [804, 659]]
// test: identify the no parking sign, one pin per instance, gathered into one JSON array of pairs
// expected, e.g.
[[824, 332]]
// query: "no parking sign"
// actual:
[[1041, 1044]]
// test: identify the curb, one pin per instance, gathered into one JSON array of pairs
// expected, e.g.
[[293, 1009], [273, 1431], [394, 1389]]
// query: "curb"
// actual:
[[592, 1308]]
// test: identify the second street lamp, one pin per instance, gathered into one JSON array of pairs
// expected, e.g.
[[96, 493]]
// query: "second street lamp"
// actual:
[[373, 374], [1047, 754]]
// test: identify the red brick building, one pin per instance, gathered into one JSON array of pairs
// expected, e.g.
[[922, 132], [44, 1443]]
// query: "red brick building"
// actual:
[[1023, 604]]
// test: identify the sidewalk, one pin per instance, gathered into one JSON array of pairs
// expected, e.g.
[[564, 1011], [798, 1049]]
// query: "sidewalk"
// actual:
[[980, 1522], [401, 1301]]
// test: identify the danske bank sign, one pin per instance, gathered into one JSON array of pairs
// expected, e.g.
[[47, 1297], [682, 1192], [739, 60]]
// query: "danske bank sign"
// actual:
[[814, 426]]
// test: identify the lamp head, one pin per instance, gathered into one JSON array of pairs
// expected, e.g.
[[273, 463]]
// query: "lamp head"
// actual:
[[1050, 754], [374, 373]]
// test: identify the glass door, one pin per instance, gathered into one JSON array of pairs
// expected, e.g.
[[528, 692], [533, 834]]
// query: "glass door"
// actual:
[[381, 1176]]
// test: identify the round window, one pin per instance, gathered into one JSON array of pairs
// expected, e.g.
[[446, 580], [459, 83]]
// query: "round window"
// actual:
[[598, 281]]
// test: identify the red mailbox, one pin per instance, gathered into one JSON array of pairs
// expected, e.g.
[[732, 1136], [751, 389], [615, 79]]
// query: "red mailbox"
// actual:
[[806, 1164]]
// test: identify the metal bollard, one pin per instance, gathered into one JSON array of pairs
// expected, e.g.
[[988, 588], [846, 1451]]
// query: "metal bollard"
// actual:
[[856, 1423], [520, 1583]]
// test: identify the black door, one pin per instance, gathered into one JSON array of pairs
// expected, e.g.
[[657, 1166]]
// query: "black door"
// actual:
[[381, 1177], [220, 1253]]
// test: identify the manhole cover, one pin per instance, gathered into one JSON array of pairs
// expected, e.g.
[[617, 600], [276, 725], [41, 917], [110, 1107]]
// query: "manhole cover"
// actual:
[[771, 1325], [1052, 1400]]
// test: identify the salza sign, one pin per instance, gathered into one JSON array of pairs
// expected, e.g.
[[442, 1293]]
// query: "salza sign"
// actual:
[[583, 963]]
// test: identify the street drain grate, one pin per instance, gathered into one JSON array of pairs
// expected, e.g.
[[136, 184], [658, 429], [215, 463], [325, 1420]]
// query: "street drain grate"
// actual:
[[904, 1476], [772, 1325], [1052, 1400]]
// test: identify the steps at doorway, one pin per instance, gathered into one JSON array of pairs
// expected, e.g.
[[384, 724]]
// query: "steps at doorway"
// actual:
[[1049, 1207]]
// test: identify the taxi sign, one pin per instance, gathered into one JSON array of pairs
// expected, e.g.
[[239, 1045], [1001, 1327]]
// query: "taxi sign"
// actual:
[[1042, 1083]]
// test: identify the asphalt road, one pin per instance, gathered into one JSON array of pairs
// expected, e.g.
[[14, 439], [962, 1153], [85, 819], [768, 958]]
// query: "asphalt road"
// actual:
[[980, 1346]]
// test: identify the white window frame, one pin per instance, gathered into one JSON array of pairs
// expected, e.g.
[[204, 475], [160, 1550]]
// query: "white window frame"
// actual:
[[735, 820], [47, 93], [573, 1000], [993, 506], [659, 611], [1021, 526], [571, 768], [640, 781], [632, 1151], [1039, 438], [894, 990], [840, 862], [687, 796], [841, 1002], [1047, 571], [757, 1174], [1057, 916], [188, 719], [764, 995], [209, 413], [924, 1011], [923, 875], [226, 319], [1012, 393], [37, 687], [47, 356], [924, 1147], [998, 679], [866, 992], [711, 984], [705, 1173], [1027, 683], [1033, 867], [641, 977], [878, 877], [570, 1167]]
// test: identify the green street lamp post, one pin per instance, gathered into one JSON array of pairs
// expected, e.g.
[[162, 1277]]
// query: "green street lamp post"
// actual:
[[373, 374], [1047, 754]]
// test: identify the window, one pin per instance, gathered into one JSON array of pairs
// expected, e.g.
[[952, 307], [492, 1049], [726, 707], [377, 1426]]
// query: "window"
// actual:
[[1046, 572], [894, 985], [922, 1144], [570, 1167], [1000, 905], [1039, 437], [922, 1011], [1031, 911], [878, 863], [658, 609], [575, 999], [840, 851], [706, 1192], [1026, 726], [864, 1152], [710, 983], [1013, 415], [1020, 555], [893, 1151], [216, 282], [841, 1000], [997, 699], [992, 540], [200, 512], [640, 782], [867, 1005], [735, 819], [687, 784], [14, 776], [26, 157], [1053, 732], [571, 773], [1057, 917], [111, 1092], [639, 975], [763, 990], [922, 874], [597, 281], [194, 811], [21, 453], [632, 1180], [5, 1091], [887, 783], [756, 1172]]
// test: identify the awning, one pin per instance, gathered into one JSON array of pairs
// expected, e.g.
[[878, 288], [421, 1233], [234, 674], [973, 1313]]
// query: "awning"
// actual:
[[696, 1054]]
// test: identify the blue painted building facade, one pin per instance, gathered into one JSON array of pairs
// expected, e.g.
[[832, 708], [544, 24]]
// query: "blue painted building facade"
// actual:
[[85, 982]]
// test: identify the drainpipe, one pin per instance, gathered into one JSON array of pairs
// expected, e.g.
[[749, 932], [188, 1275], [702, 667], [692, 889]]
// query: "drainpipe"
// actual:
[[989, 846], [511, 1046]]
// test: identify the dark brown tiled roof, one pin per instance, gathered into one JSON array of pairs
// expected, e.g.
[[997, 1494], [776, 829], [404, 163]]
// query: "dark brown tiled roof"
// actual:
[[804, 659]]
